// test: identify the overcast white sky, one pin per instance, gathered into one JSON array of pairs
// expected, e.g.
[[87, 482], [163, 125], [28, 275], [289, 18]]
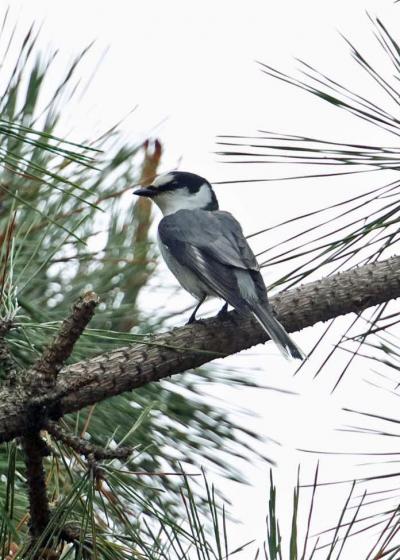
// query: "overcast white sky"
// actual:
[[190, 68]]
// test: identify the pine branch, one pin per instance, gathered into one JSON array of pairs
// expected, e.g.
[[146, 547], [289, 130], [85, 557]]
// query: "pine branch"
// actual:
[[85, 448], [35, 450], [191, 346], [42, 376], [57, 353]]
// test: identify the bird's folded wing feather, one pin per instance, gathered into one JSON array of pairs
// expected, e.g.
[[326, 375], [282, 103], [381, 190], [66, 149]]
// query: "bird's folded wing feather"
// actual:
[[210, 244], [217, 234]]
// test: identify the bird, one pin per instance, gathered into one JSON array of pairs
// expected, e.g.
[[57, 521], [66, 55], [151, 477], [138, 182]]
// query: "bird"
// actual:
[[206, 250]]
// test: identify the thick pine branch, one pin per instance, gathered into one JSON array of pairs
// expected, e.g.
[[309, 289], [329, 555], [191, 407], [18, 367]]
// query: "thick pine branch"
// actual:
[[188, 347]]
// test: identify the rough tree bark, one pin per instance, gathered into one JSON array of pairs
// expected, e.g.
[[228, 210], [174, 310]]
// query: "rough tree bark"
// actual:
[[85, 383]]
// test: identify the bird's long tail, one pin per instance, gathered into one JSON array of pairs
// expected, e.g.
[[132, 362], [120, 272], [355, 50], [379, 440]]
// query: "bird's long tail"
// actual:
[[274, 329]]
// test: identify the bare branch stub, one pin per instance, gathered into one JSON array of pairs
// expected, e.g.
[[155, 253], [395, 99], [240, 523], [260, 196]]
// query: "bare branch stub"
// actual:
[[86, 448], [60, 349]]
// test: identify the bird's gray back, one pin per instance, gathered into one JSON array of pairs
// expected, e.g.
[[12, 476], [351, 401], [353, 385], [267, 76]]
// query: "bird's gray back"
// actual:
[[216, 233]]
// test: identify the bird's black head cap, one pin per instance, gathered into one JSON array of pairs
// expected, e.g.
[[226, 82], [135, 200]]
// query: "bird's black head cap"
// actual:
[[177, 180]]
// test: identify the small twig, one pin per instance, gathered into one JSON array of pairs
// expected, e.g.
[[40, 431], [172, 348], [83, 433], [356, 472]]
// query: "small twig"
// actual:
[[72, 533], [85, 448], [55, 356]]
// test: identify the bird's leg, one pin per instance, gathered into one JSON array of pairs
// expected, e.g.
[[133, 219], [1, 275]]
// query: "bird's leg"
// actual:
[[192, 318], [223, 311]]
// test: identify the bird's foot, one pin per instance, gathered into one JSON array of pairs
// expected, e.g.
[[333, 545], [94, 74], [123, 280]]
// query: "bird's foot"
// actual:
[[194, 320]]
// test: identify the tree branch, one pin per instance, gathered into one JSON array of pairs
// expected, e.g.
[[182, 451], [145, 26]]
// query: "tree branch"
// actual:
[[85, 448], [191, 346], [46, 369], [43, 376], [35, 449]]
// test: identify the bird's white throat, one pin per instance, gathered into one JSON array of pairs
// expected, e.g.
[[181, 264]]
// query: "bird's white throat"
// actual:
[[182, 199]]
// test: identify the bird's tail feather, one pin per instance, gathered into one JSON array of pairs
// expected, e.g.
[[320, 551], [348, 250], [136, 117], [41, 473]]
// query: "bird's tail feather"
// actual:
[[277, 333]]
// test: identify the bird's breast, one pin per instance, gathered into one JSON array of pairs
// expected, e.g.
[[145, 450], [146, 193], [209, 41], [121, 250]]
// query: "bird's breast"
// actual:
[[186, 278]]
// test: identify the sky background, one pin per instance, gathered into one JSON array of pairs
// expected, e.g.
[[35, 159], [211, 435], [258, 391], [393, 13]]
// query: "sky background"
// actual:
[[190, 70]]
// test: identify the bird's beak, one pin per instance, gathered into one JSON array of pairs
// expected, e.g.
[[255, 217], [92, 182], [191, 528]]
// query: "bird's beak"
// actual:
[[146, 191]]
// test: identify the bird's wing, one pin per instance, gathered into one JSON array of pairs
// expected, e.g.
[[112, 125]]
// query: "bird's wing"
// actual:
[[231, 246], [217, 234], [210, 244]]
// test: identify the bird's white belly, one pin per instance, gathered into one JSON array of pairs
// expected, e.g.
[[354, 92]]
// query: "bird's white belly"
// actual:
[[186, 278]]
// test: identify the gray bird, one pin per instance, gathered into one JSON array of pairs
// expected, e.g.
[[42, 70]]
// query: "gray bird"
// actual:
[[207, 252]]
